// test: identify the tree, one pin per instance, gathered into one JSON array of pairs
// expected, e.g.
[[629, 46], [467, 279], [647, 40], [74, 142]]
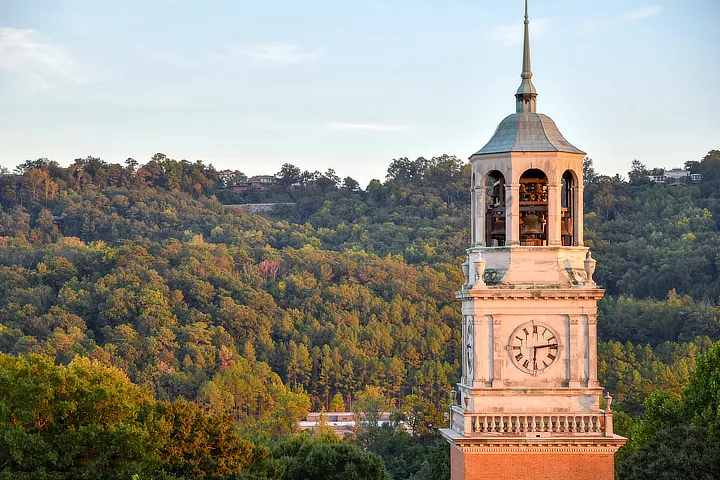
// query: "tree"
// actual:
[[304, 457], [69, 422], [192, 444], [421, 416], [337, 404], [369, 404], [676, 453], [589, 174], [701, 397], [288, 175], [351, 184], [638, 172]]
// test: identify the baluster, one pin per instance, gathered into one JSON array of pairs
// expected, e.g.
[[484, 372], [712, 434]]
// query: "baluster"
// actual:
[[532, 423], [553, 424], [582, 424], [518, 427], [473, 421], [485, 424], [542, 423], [502, 424], [525, 423], [573, 424]]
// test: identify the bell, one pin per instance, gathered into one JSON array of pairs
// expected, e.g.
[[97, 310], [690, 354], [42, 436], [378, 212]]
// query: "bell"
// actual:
[[531, 226], [566, 227], [498, 229]]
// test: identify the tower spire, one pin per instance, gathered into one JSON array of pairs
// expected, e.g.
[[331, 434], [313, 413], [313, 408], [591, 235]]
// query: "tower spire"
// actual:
[[526, 95]]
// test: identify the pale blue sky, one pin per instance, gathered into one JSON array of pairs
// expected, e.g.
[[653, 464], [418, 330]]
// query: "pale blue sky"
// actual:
[[250, 85]]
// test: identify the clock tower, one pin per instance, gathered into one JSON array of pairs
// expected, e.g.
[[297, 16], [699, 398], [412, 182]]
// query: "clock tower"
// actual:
[[528, 403]]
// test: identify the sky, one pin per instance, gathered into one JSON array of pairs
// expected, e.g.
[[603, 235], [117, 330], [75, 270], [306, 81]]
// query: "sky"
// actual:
[[351, 85]]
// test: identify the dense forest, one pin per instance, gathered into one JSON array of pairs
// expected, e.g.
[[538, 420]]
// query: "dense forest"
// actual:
[[136, 308]]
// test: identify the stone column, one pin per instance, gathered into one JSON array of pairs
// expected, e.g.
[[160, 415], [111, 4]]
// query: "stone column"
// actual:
[[592, 351], [552, 228], [479, 216], [512, 214], [474, 220], [578, 214]]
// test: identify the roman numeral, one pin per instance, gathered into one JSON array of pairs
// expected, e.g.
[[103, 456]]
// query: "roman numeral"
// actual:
[[518, 356], [526, 331], [527, 362], [519, 338], [551, 356], [534, 328]]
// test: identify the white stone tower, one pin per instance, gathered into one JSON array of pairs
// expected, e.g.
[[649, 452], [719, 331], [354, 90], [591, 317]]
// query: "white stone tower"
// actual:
[[529, 398]]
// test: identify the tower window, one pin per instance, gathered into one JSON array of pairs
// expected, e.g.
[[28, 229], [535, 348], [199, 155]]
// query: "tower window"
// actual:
[[533, 208], [567, 208], [495, 226]]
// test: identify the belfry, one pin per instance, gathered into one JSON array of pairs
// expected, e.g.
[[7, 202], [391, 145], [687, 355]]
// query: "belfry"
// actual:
[[528, 405]]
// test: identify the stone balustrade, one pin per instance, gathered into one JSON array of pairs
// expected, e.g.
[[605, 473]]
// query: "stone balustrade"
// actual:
[[529, 425]]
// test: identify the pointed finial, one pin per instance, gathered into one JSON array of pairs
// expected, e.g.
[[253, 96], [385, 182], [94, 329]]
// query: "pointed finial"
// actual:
[[526, 94]]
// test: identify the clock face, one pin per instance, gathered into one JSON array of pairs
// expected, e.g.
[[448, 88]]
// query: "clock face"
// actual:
[[469, 354], [533, 347]]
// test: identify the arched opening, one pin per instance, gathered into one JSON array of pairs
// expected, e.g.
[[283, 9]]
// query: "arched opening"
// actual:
[[495, 231], [533, 208], [567, 208]]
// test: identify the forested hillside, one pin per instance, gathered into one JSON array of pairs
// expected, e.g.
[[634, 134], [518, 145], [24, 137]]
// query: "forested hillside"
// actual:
[[345, 300]]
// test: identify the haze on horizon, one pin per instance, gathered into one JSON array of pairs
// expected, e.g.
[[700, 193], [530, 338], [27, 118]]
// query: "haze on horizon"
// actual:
[[252, 85]]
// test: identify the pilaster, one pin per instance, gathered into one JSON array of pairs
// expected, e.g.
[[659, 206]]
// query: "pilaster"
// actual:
[[573, 353], [552, 228], [512, 208], [498, 337], [482, 358], [592, 350], [579, 239]]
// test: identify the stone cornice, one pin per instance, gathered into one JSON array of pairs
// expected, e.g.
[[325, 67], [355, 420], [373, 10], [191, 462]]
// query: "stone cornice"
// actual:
[[530, 293], [599, 444], [537, 390]]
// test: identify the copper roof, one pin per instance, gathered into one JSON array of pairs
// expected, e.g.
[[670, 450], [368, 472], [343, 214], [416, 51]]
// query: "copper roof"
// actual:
[[527, 132]]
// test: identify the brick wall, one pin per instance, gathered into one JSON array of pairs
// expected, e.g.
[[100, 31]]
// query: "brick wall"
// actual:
[[531, 466], [457, 463]]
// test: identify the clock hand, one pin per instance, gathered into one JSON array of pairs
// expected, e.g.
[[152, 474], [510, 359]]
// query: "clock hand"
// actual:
[[545, 346]]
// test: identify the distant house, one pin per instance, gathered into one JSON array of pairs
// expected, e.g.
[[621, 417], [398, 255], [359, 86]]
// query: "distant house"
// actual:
[[657, 178], [341, 423], [262, 182], [675, 176], [258, 182]]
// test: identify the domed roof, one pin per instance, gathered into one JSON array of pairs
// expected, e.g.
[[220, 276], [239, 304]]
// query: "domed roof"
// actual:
[[527, 132]]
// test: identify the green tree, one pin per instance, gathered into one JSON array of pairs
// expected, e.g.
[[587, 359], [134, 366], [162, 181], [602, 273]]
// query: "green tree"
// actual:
[[305, 457]]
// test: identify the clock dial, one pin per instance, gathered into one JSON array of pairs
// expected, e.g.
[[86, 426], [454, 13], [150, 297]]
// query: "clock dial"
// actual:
[[533, 347], [469, 354]]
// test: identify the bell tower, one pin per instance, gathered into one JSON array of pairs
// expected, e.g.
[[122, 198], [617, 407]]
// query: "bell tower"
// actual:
[[528, 403]]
